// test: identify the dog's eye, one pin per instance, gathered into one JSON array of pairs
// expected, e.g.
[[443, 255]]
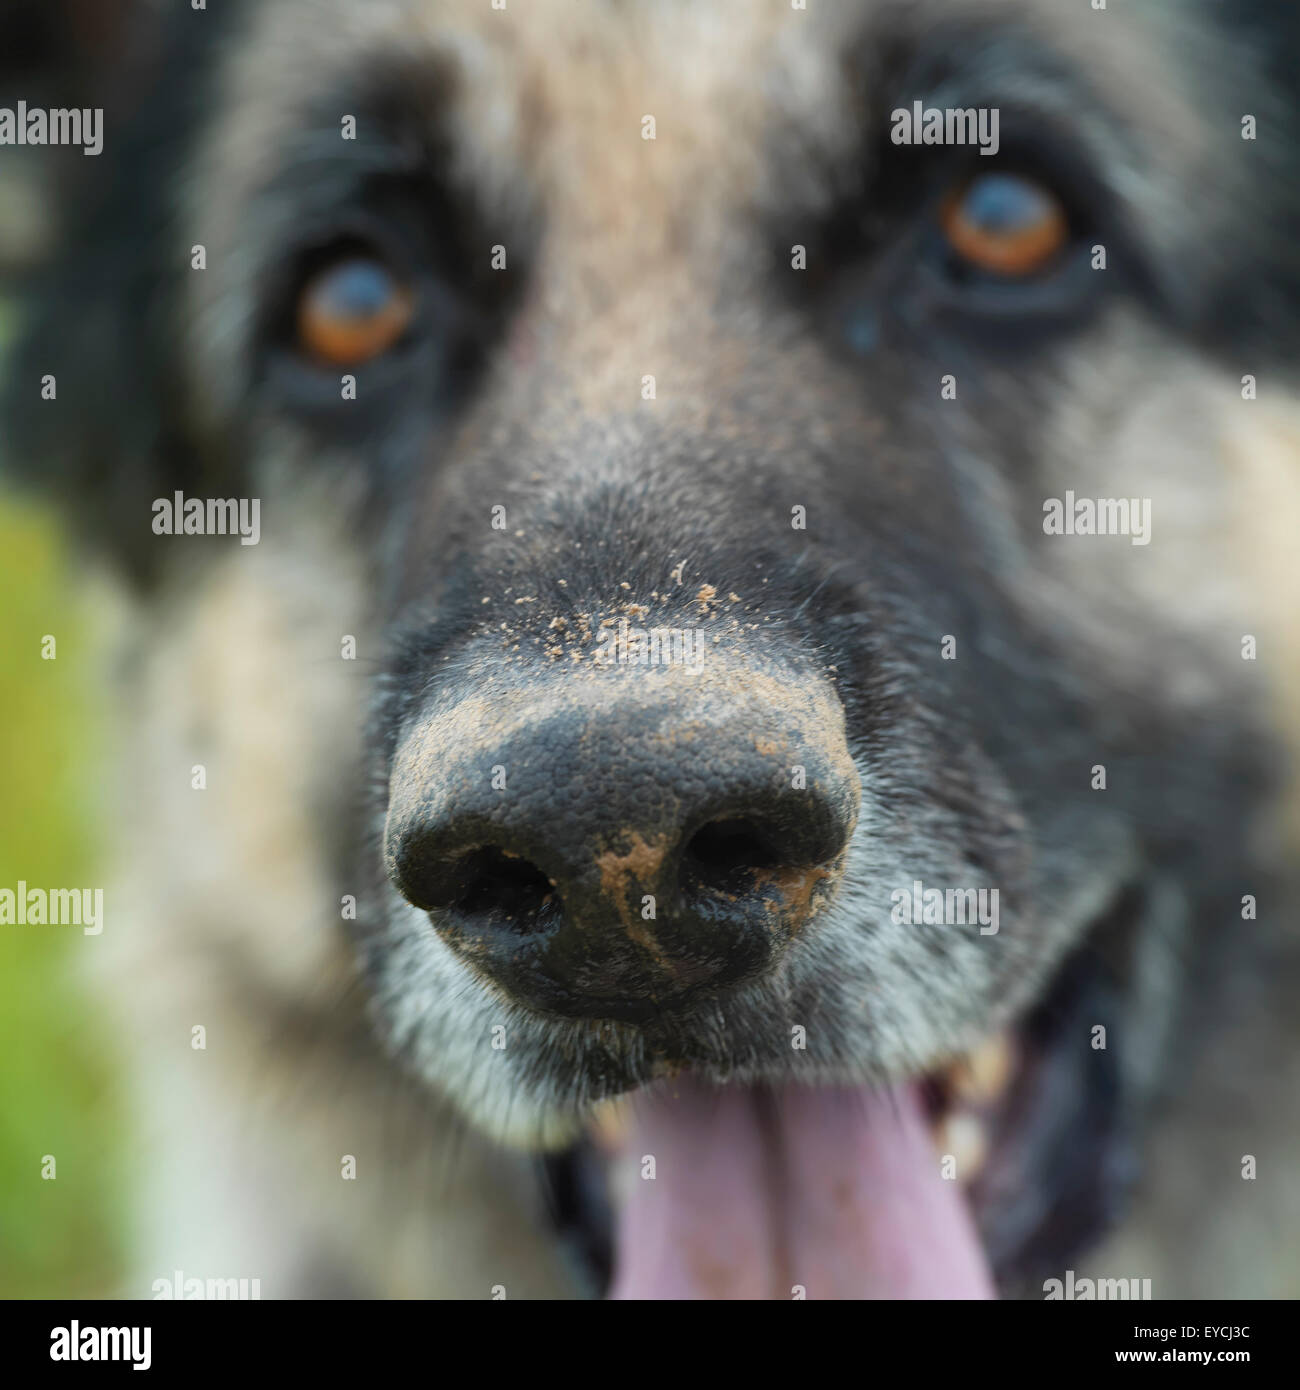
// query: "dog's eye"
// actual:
[[1005, 225], [351, 310]]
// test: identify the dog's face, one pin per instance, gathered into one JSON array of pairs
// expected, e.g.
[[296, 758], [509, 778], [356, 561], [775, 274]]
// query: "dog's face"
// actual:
[[696, 435]]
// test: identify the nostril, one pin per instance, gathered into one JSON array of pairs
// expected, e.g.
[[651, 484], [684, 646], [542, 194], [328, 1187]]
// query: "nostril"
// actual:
[[723, 849], [493, 881], [486, 883]]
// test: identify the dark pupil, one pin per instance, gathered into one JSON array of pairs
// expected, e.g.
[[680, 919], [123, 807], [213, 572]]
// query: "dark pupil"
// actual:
[[357, 289], [1004, 203]]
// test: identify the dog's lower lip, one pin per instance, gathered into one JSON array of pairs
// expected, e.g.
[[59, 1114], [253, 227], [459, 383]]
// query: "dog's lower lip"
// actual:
[[963, 1098]]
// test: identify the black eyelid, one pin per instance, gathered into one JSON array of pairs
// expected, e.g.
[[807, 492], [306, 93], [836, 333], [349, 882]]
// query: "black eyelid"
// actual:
[[354, 234]]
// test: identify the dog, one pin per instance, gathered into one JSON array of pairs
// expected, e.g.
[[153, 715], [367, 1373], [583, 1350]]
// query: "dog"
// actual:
[[704, 607]]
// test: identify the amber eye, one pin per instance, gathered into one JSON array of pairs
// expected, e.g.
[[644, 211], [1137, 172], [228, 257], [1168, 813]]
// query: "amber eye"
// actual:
[[1005, 224], [352, 310]]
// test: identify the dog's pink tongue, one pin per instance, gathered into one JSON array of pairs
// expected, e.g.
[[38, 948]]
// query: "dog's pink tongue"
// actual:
[[756, 1193]]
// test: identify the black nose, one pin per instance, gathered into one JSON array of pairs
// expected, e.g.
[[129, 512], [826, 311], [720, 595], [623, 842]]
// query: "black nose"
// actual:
[[612, 844]]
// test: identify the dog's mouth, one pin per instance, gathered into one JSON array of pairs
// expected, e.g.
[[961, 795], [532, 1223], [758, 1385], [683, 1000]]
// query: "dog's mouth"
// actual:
[[983, 1177]]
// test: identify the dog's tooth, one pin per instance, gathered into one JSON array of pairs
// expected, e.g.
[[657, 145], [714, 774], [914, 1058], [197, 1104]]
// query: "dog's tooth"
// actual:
[[962, 1134], [982, 1076]]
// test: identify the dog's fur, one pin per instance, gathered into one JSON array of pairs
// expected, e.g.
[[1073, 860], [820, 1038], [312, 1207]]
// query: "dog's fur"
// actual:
[[670, 258]]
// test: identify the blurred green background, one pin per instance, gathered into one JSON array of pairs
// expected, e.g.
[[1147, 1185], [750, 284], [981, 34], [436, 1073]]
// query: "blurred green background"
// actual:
[[58, 1091], [60, 1237]]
